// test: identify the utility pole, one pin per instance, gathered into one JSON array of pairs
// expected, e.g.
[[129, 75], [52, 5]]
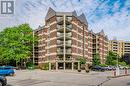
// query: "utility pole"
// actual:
[[117, 61], [117, 69]]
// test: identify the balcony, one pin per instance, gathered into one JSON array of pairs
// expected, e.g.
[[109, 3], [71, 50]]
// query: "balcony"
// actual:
[[69, 19], [69, 59], [68, 28], [60, 28], [68, 51], [68, 43], [61, 59], [59, 42], [68, 35], [60, 35], [60, 20], [62, 43], [61, 51]]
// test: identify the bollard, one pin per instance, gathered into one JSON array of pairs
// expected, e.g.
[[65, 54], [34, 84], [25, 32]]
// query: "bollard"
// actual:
[[126, 71], [114, 72]]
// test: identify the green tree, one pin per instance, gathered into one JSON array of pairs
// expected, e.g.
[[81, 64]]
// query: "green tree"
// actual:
[[122, 63], [82, 60], [111, 58], [16, 43], [96, 59]]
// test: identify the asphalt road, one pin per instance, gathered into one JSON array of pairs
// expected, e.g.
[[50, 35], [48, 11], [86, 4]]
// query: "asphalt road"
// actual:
[[121, 81], [68, 78]]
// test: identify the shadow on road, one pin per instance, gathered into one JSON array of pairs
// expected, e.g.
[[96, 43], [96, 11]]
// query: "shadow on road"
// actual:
[[128, 84], [9, 85]]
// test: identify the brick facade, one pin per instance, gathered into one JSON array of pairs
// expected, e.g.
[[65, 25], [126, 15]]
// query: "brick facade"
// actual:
[[65, 38]]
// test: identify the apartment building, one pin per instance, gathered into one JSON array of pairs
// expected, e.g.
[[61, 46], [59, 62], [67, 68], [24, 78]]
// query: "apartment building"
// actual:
[[100, 45], [120, 47], [64, 39]]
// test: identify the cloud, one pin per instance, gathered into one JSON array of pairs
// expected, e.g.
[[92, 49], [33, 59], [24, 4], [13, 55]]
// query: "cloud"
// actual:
[[111, 15], [116, 24]]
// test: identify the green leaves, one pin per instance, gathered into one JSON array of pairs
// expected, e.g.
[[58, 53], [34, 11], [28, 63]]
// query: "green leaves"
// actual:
[[111, 58], [82, 60], [16, 43], [96, 59]]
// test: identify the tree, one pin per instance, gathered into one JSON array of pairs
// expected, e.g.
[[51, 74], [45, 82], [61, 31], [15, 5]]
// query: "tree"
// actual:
[[126, 58], [16, 43], [82, 60], [96, 59], [111, 58]]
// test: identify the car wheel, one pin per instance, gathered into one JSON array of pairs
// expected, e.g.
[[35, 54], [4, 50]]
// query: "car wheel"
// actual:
[[1, 83]]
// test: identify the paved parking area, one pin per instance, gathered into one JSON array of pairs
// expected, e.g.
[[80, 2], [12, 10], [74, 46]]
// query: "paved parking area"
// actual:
[[60, 78]]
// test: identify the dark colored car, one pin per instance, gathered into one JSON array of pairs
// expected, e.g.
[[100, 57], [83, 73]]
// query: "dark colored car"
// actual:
[[3, 81], [109, 68], [6, 70], [98, 68]]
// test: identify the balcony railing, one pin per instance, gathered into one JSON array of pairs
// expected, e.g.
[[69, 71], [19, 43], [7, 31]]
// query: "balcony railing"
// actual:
[[60, 27], [59, 58], [68, 34], [60, 34], [68, 44], [61, 51], [68, 18], [69, 26], [59, 42], [68, 59], [59, 19], [68, 52]]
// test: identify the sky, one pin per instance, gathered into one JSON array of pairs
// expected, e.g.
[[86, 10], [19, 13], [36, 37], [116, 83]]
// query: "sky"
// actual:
[[113, 16]]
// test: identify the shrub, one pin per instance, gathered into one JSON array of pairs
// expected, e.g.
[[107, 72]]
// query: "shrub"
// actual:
[[122, 64], [82, 60], [103, 65], [30, 65], [45, 66]]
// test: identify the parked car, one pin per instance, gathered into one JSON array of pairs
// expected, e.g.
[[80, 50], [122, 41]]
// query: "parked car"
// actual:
[[98, 68], [110, 68], [123, 67], [3, 81], [6, 70], [106, 68]]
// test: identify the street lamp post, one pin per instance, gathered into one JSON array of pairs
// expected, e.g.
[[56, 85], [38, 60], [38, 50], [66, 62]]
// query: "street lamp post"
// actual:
[[117, 68]]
